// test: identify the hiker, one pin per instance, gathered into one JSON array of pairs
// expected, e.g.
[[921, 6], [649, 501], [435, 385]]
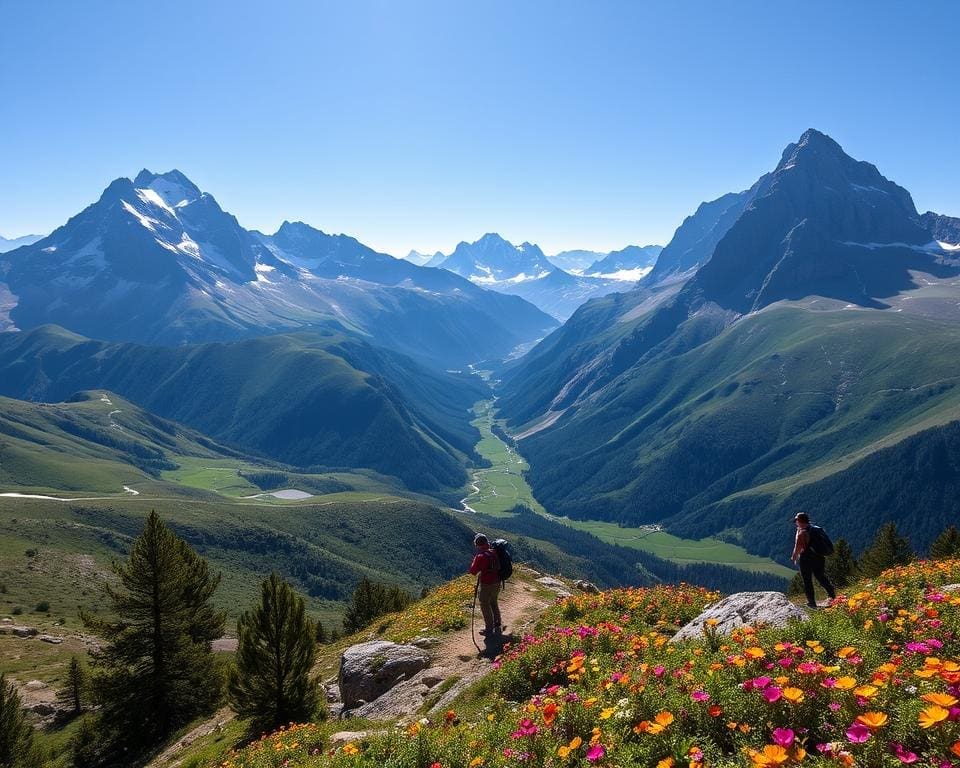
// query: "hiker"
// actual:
[[487, 568], [811, 561]]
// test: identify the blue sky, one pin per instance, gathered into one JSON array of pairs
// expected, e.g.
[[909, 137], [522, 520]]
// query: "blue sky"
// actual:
[[420, 124]]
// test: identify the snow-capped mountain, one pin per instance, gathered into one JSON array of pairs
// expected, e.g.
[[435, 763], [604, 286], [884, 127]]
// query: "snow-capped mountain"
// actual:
[[425, 259], [17, 242], [576, 261], [630, 263], [157, 260]]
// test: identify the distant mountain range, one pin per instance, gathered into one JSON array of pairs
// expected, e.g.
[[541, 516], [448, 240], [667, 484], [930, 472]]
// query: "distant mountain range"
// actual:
[[155, 260], [786, 334], [17, 242], [523, 270]]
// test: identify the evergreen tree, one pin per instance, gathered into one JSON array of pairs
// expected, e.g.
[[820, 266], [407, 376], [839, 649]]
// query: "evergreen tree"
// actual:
[[321, 634], [16, 734], [271, 682], [841, 565], [370, 600], [74, 691], [946, 545], [156, 670], [888, 549]]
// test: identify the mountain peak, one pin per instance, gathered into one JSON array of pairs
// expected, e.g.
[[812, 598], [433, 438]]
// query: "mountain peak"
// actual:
[[173, 187]]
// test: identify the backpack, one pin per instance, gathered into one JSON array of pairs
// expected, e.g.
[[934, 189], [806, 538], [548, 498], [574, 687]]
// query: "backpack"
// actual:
[[819, 541], [503, 558]]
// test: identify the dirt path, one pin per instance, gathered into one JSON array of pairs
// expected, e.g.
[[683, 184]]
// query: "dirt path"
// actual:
[[213, 725]]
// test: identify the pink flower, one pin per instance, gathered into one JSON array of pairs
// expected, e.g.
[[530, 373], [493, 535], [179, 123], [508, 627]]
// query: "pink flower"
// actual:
[[783, 737], [772, 694], [659, 670], [595, 752], [834, 706], [858, 733], [904, 755], [700, 696]]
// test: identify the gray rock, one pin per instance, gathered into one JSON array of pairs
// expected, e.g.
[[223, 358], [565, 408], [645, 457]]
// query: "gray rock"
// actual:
[[43, 709], [52, 639], [403, 699], [345, 737], [35, 685], [19, 631], [744, 608], [555, 585], [950, 588], [368, 670], [586, 586], [425, 642]]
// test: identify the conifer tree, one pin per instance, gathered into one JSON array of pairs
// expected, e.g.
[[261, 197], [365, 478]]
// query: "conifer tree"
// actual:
[[946, 545], [16, 734], [841, 565], [888, 549], [321, 635], [74, 691], [156, 670], [270, 681], [370, 600]]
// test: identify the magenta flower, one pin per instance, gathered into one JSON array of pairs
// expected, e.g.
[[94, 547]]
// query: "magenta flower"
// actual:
[[858, 733], [700, 696], [595, 752], [904, 755], [783, 737], [772, 694]]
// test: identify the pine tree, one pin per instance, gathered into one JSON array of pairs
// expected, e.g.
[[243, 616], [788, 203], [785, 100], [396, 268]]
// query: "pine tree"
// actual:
[[841, 565], [888, 549], [271, 682], [946, 545], [74, 692], [370, 600], [157, 670], [16, 734], [321, 633]]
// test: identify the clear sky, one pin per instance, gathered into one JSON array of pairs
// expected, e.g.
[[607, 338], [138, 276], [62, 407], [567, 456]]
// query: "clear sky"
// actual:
[[419, 124]]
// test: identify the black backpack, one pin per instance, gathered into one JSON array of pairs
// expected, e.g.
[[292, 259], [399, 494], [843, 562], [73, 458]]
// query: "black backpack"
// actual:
[[503, 558], [819, 541]]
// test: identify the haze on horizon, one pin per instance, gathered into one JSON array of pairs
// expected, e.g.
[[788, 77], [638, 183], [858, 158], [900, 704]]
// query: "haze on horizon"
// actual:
[[418, 126]]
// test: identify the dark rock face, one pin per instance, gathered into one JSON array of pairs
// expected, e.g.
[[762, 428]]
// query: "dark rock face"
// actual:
[[945, 229]]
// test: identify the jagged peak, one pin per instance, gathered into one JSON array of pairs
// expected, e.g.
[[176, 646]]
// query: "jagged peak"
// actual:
[[173, 187]]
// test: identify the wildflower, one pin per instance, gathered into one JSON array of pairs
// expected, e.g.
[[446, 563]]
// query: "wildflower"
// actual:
[[549, 714], [940, 699], [858, 733], [772, 694], [700, 696], [476, 762], [793, 695], [596, 752], [350, 749], [772, 755], [904, 755], [933, 715], [565, 750], [667, 762], [783, 737], [873, 720]]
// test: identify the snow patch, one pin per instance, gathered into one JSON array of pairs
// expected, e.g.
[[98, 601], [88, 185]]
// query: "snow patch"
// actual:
[[145, 221], [631, 275], [171, 194], [861, 188], [150, 197]]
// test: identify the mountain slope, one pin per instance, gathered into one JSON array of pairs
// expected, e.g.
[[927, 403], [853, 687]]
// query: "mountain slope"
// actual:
[[155, 260], [653, 405], [628, 260], [17, 242], [311, 399]]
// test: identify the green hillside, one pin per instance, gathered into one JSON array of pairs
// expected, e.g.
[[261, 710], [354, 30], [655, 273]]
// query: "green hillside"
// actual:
[[783, 396], [319, 401]]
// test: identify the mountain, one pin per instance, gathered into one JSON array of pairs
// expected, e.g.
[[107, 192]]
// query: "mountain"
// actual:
[[155, 260], [425, 259], [576, 260], [17, 242], [523, 270], [630, 263], [792, 331], [311, 399]]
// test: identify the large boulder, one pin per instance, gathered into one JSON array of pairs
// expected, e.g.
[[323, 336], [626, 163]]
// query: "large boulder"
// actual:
[[404, 699], [368, 670], [744, 608]]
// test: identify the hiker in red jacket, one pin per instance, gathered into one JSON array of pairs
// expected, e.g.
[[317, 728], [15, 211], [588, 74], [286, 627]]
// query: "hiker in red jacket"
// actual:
[[486, 566]]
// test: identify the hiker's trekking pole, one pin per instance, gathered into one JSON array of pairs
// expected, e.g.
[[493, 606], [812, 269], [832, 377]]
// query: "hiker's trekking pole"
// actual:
[[473, 613]]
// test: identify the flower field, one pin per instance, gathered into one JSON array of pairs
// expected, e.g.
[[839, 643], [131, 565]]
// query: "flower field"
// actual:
[[872, 680]]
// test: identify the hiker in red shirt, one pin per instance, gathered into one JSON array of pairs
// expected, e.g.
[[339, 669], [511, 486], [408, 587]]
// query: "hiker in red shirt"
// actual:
[[486, 566]]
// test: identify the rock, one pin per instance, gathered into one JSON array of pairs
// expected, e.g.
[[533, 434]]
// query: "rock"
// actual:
[[431, 677], [753, 608], [52, 639], [35, 685], [586, 586], [43, 709], [950, 588], [368, 670], [403, 699], [425, 642], [345, 737], [6, 620], [15, 629], [555, 585]]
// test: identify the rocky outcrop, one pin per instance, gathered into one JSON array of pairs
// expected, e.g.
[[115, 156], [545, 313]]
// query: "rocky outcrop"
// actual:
[[743, 608], [405, 698], [587, 586], [369, 670], [554, 585]]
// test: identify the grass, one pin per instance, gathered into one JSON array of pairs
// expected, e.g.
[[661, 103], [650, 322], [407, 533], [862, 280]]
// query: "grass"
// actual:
[[503, 486]]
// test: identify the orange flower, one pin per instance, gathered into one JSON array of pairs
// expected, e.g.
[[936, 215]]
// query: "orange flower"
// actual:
[[772, 754], [667, 762], [664, 718], [847, 650], [933, 715], [549, 714], [940, 699], [845, 683], [754, 653], [955, 748], [865, 691], [872, 720]]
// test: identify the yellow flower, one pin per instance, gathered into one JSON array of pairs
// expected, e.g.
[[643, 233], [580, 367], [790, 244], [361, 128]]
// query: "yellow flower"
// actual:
[[872, 719], [865, 691], [940, 699], [933, 715], [754, 652], [350, 749], [793, 695], [667, 762], [607, 713], [845, 683], [476, 762], [847, 650], [772, 754]]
